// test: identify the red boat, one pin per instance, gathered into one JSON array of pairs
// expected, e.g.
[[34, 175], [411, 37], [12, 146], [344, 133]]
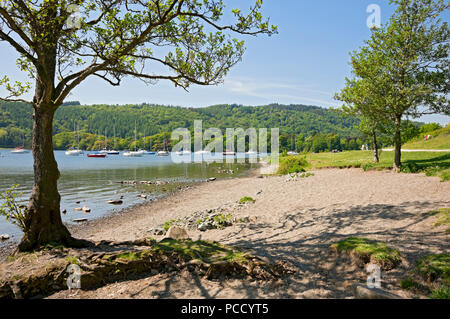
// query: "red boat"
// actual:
[[97, 155]]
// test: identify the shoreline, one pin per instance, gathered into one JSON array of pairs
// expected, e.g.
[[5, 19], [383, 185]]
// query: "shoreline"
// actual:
[[92, 225]]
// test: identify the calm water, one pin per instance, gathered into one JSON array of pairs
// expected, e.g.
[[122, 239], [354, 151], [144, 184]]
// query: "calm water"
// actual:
[[93, 181]]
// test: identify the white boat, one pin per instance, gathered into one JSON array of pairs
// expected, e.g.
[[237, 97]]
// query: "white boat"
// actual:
[[229, 153], [183, 152], [203, 152], [74, 152], [132, 154], [20, 150], [251, 152], [112, 152], [292, 153], [163, 153]]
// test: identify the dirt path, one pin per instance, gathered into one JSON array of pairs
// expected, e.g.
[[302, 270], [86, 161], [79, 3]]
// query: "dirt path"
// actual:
[[294, 221]]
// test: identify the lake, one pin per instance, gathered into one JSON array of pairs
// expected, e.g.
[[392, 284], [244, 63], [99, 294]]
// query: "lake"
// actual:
[[93, 181]]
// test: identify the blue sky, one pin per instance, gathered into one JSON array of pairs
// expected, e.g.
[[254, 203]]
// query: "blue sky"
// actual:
[[306, 63]]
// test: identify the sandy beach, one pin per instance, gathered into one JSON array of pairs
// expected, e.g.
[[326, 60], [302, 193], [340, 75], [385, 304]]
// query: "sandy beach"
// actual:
[[295, 221]]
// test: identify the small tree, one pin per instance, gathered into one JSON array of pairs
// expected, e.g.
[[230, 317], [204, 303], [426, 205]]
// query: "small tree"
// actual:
[[404, 67], [62, 43], [11, 209]]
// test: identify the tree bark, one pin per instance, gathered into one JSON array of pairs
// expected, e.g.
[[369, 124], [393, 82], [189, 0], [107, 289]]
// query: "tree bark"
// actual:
[[43, 219], [376, 158], [397, 144]]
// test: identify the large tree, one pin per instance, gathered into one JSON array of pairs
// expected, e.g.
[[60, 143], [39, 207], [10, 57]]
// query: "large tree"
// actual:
[[404, 66], [62, 43]]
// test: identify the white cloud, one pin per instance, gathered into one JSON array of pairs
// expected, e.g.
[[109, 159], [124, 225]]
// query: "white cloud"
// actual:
[[280, 92]]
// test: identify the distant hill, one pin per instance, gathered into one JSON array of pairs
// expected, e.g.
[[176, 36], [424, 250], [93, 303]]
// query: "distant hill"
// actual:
[[155, 120]]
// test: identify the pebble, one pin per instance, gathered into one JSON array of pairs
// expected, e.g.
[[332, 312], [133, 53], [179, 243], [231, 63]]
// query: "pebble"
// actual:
[[86, 209], [4, 236], [115, 202], [80, 220]]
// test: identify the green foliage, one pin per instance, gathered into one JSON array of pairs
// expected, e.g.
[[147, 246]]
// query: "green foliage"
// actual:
[[402, 70], [11, 209], [292, 164], [222, 220], [156, 122], [246, 199]]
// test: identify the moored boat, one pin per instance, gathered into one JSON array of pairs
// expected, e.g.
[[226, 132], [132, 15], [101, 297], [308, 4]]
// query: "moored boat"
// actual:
[[74, 152], [229, 153], [96, 155], [20, 150], [133, 154], [163, 153]]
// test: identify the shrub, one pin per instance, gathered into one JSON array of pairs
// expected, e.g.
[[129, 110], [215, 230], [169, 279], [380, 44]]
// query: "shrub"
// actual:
[[246, 199], [292, 164]]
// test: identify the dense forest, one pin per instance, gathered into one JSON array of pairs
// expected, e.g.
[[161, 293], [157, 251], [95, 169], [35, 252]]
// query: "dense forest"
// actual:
[[304, 128]]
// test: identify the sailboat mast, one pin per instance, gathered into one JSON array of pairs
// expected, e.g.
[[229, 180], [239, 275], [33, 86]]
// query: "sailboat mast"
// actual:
[[115, 142], [135, 143]]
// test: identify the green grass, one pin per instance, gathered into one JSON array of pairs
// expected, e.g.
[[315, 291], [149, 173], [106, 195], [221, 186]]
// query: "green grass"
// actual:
[[202, 250], [169, 223], [72, 260], [409, 283], [442, 292], [368, 250], [434, 267], [246, 199], [440, 140], [430, 163], [443, 217]]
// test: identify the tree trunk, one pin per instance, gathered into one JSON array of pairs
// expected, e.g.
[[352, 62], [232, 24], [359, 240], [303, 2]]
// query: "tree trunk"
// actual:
[[397, 145], [376, 158], [43, 220]]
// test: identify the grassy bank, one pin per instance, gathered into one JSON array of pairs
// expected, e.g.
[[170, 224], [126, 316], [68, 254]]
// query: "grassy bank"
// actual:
[[433, 164], [440, 139]]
